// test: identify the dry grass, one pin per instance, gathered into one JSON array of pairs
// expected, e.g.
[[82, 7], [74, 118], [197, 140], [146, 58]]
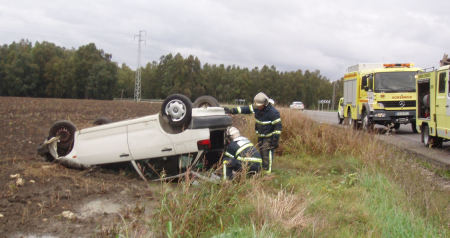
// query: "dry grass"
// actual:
[[284, 208], [301, 134]]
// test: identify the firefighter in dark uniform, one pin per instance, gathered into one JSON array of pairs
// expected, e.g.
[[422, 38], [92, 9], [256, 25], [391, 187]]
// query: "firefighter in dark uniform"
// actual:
[[267, 126], [240, 151]]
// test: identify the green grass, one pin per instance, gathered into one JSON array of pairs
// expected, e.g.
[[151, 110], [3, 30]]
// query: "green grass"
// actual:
[[329, 182]]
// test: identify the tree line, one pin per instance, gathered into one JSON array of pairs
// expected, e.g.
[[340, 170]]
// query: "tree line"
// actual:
[[47, 70]]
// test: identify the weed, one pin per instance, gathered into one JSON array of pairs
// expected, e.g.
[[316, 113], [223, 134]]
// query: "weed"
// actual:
[[327, 181]]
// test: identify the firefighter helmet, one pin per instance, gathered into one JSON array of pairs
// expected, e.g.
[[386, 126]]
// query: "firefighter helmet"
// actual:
[[233, 132], [261, 99]]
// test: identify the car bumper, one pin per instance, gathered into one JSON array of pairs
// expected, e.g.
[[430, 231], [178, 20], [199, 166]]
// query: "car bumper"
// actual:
[[212, 122]]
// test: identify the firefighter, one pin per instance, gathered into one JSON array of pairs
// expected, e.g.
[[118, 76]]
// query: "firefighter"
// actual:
[[240, 151], [267, 126]]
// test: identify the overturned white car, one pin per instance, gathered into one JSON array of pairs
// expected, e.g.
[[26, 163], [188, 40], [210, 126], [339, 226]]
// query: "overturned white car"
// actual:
[[173, 140]]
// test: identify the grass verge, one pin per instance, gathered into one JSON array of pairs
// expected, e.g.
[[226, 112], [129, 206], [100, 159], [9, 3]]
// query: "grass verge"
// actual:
[[327, 182]]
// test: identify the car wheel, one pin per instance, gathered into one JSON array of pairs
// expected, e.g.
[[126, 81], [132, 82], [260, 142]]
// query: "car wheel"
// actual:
[[102, 121], [206, 101], [65, 130], [178, 109], [413, 127]]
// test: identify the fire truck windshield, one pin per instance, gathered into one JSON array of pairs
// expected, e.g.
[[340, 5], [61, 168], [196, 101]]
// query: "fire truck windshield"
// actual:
[[395, 82]]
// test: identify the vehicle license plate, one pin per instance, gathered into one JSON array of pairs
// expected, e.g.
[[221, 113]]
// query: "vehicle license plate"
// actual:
[[402, 113]]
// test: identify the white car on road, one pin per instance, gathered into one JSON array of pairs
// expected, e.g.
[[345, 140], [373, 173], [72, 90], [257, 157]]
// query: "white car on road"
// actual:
[[171, 141], [297, 105]]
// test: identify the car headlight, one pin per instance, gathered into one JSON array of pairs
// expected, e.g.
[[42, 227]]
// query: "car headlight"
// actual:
[[380, 105]]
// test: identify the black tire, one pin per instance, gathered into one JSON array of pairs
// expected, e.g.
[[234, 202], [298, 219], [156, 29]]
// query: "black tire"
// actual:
[[351, 122], [206, 101], [366, 124], [426, 136], [66, 132], [340, 120], [102, 121], [177, 109], [413, 127], [396, 126], [437, 142]]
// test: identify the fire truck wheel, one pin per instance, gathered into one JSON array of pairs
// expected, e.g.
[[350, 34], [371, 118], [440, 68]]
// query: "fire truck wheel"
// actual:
[[351, 123], [425, 136], [367, 125], [340, 120], [413, 127], [396, 126]]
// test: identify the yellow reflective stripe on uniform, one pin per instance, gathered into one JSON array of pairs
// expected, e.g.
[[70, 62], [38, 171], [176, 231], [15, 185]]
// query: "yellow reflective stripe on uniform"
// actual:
[[225, 169], [239, 110], [263, 122], [251, 108], [243, 148], [277, 132], [270, 161], [229, 155], [250, 159], [276, 121], [264, 135]]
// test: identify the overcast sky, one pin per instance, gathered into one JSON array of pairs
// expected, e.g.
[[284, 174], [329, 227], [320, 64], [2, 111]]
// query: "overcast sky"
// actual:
[[327, 35]]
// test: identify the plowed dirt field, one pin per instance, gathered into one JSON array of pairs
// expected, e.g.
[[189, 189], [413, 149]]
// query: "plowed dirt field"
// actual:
[[39, 198]]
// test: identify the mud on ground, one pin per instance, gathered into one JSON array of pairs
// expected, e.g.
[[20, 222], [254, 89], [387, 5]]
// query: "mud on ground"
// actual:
[[39, 198]]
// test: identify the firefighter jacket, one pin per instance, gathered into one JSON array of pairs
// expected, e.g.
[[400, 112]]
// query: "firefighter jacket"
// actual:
[[267, 124], [242, 149]]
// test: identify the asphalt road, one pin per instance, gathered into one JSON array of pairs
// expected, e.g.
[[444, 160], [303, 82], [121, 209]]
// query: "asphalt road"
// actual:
[[404, 138]]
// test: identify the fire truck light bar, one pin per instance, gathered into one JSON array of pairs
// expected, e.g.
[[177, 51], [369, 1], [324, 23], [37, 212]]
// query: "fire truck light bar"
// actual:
[[398, 65]]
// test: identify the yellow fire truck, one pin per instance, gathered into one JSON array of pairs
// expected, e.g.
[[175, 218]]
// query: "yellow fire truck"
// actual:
[[383, 94], [433, 106]]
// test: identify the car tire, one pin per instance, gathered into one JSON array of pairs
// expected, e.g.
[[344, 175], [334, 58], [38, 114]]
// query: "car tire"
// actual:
[[102, 121], [205, 101], [177, 109], [66, 132]]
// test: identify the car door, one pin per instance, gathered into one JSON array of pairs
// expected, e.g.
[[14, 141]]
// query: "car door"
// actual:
[[146, 139], [102, 144]]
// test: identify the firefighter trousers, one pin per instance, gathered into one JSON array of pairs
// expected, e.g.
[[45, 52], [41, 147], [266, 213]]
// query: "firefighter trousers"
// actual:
[[265, 148], [230, 165]]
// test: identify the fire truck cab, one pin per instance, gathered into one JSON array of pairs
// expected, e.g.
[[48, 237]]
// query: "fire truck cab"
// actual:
[[383, 94]]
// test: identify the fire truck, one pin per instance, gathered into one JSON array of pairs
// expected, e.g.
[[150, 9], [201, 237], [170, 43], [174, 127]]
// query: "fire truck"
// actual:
[[433, 106], [384, 94]]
